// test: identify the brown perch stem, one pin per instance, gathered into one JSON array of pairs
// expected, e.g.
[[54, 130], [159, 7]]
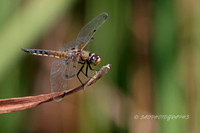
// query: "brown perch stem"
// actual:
[[22, 103]]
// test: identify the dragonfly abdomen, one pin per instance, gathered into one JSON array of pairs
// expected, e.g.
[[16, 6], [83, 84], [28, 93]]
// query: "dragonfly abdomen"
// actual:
[[48, 53]]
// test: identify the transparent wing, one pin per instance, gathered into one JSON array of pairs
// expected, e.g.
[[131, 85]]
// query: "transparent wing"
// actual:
[[72, 44], [61, 72], [88, 30], [58, 83], [71, 66], [68, 46]]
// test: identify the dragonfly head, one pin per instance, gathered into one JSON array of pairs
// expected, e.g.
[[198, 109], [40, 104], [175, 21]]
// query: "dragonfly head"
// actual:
[[94, 59]]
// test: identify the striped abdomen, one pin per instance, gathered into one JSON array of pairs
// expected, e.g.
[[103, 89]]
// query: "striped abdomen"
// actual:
[[49, 53]]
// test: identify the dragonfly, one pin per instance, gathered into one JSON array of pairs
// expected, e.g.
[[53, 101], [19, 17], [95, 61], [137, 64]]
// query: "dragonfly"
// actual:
[[69, 55]]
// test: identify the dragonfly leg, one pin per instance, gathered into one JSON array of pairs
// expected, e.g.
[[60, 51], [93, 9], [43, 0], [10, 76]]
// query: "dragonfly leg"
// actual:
[[86, 72], [88, 65], [63, 94], [81, 70], [92, 68], [81, 62]]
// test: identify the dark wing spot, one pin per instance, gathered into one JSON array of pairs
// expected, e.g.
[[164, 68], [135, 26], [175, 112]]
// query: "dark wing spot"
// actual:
[[95, 30], [66, 61], [92, 38], [105, 17], [72, 48]]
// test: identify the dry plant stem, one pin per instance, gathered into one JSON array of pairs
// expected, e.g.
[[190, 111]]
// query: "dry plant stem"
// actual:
[[22, 103]]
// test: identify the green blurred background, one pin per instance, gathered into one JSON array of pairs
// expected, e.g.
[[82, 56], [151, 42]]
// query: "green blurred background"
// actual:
[[152, 45]]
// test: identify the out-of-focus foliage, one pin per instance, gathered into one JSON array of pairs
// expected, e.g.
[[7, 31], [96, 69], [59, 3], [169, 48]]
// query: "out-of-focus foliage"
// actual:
[[152, 46]]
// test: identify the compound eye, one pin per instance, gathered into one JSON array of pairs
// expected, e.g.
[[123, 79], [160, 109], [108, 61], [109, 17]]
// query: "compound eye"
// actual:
[[93, 59]]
